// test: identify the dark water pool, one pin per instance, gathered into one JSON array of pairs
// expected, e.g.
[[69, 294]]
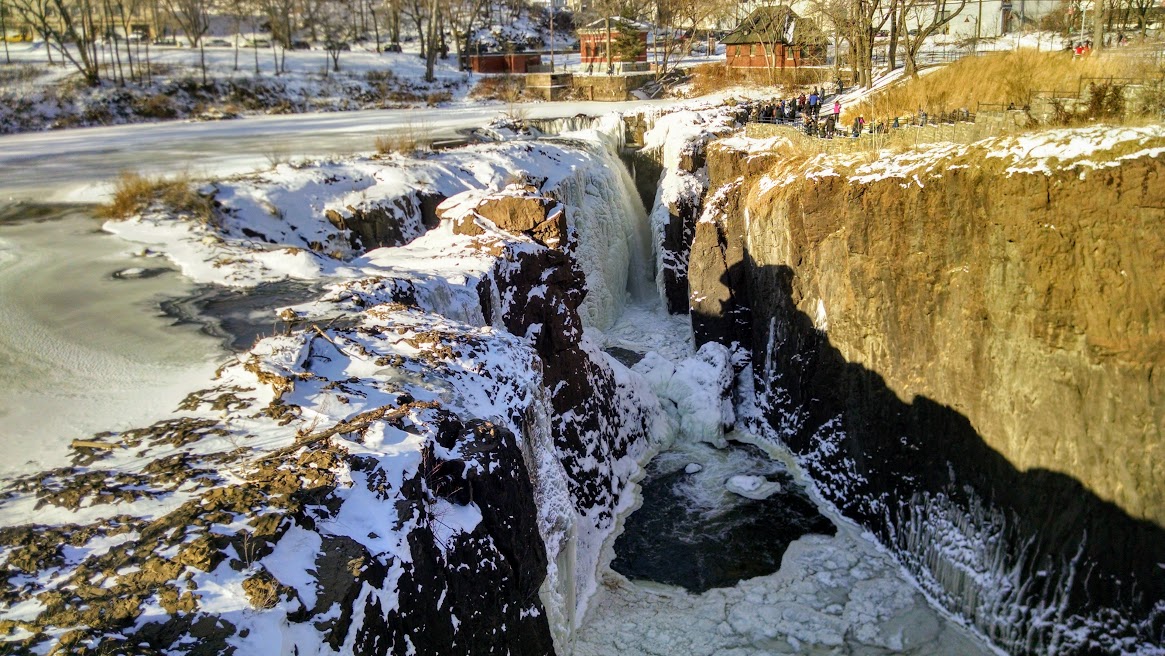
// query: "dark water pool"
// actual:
[[693, 532]]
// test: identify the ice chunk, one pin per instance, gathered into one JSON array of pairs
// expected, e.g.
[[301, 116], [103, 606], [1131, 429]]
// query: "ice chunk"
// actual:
[[752, 487]]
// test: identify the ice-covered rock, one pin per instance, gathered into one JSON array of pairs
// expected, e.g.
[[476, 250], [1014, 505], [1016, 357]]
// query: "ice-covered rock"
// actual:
[[698, 391], [752, 487]]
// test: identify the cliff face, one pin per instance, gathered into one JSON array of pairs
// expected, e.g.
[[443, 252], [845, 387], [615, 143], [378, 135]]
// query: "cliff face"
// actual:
[[428, 463], [962, 316]]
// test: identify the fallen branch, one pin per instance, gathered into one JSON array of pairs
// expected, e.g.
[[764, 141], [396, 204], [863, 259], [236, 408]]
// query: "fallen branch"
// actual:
[[90, 444], [358, 423]]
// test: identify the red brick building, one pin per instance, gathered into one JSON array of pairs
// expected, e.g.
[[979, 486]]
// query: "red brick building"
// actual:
[[628, 42], [774, 37], [503, 62]]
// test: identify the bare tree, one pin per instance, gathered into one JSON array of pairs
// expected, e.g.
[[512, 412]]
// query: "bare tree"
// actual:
[[193, 17], [4, 29], [417, 12], [1140, 9], [279, 15], [920, 19], [431, 47], [238, 10], [464, 16], [68, 29], [837, 16], [867, 19], [678, 21], [392, 9], [333, 18]]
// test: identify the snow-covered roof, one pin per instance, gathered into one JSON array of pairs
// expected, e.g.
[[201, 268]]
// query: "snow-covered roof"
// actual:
[[617, 23], [776, 24]]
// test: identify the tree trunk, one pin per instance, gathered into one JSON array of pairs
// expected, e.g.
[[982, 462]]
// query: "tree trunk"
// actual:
[[610, 61], [375, 26], [431, 51], [1098, 27], [4, 32], [892, 52]]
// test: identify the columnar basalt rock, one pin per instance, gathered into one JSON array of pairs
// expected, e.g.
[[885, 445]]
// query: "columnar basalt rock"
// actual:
[[965, 331]]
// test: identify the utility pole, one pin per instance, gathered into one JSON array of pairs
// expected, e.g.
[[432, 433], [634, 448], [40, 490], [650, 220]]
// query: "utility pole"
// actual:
[[552, 39], [978, 23]]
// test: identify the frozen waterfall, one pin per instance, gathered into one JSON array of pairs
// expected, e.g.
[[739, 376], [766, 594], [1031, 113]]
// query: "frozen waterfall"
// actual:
[[614, 236]]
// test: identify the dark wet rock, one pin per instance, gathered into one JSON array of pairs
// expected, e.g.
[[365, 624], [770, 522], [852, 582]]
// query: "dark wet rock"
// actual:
[[627, 357], [394, 223], [473, 592]]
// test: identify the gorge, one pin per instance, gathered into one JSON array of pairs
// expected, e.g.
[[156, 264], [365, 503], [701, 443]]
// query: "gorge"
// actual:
[[947, 357]]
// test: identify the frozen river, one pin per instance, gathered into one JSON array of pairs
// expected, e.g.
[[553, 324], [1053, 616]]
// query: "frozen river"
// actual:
[[78, 164]]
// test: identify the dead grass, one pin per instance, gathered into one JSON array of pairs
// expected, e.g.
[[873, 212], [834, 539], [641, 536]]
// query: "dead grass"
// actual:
[[711, 78], [18, 73], [999, 78], [406, 140], [133, 193], [507, 88]]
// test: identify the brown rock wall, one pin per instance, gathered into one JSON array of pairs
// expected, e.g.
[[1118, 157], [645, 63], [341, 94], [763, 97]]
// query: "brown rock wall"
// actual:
[[1033, 305]]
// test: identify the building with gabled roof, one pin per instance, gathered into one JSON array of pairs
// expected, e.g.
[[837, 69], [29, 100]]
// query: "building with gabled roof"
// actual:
[[774, 36]]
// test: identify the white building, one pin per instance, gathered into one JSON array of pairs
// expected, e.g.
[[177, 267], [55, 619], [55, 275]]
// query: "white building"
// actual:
[[992, 18]]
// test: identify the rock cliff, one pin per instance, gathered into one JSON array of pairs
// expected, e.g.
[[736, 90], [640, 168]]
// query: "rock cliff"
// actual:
[[964, 345], [428, 460]]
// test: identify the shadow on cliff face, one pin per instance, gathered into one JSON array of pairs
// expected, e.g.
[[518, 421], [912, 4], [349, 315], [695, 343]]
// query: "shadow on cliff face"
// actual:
[[1025, 555]]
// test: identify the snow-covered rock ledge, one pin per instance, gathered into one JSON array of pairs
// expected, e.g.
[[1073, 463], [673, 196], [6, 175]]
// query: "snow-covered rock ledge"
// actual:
[[436, 473]]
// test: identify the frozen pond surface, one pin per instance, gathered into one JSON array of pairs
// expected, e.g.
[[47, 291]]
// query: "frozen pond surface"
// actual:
[[84, 346], [79, 164]]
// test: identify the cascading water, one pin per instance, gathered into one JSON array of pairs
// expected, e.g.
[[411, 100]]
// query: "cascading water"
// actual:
[[614, 242], [894, 615]]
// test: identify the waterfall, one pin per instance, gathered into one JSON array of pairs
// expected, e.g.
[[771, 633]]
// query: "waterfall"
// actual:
[[557, 126], [614, 236]]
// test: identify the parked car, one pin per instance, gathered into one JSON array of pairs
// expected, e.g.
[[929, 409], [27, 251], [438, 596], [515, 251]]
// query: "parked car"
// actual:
[[392, 47], [300, 45], [217, 43], [259, 43]]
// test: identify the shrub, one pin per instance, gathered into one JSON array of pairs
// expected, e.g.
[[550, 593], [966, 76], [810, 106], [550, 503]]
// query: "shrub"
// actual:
[[134, 193], [507, 88], [710, 78], [17, 73], [155, 106]]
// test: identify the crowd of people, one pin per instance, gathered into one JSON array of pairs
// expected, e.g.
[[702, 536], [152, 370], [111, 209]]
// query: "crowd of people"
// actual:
[[819, 117], [812, 112]]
